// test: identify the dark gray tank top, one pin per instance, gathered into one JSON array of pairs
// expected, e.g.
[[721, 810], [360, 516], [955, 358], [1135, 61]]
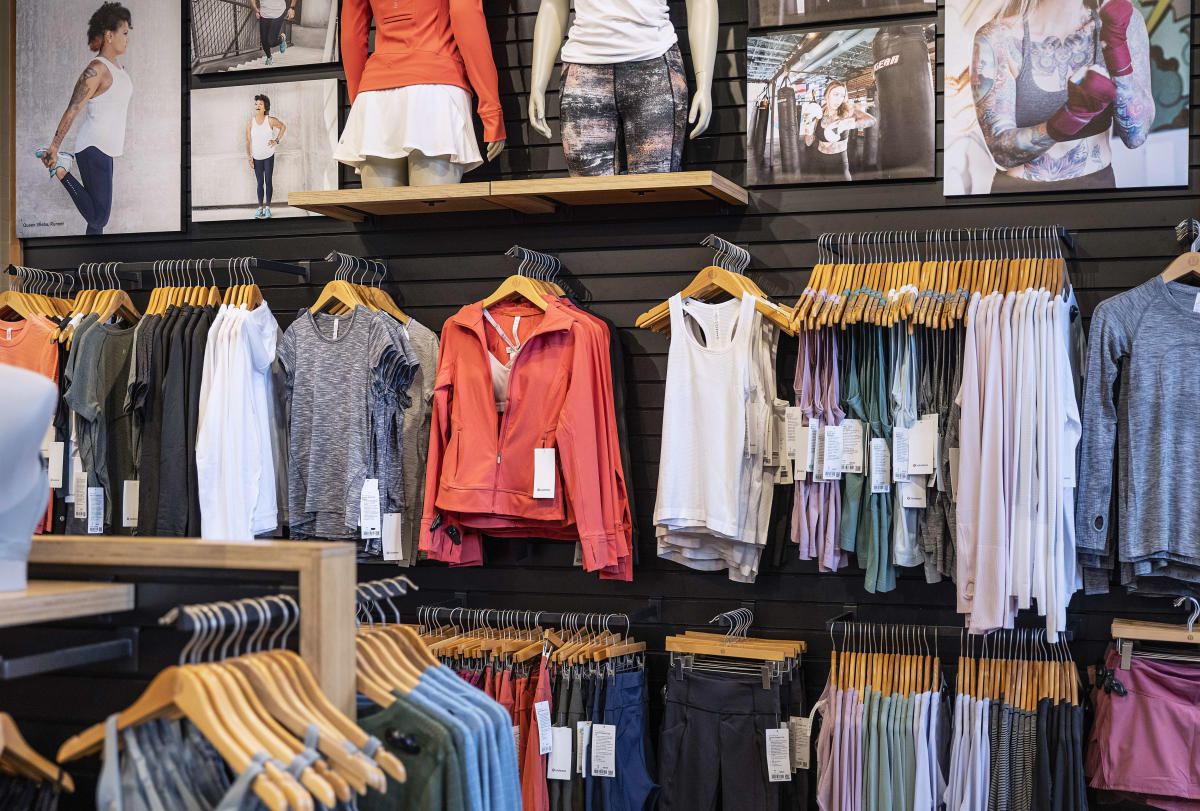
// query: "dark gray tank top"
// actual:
[[1033, 104]]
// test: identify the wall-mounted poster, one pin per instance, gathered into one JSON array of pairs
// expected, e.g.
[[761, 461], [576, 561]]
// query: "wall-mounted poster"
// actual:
[[253, 34], [252, 144], [768, 13], [99, 116], [840, 105], [1062, 95]]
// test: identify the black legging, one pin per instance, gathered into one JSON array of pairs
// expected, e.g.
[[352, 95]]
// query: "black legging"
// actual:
[[269, 31], [263, 169]]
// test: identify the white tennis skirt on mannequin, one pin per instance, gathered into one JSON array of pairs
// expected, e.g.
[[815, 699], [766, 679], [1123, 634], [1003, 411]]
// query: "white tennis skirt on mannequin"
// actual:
[[434, 119]]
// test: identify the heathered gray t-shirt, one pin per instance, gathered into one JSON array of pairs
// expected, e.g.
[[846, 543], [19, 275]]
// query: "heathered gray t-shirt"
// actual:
[[1139, 411], [424, 343], [329, 381]]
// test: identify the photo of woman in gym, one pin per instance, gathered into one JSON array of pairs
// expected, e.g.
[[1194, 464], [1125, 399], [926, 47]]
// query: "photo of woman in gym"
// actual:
[[263, 134], [1060, 96], [102, 93], [840, 105], [98, 109]]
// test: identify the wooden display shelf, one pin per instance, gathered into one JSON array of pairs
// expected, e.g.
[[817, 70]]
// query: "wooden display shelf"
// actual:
[[526, 196], [49, 600]]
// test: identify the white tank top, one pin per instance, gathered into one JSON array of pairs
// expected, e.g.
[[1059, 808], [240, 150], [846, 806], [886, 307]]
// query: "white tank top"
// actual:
[[609, 31], [502, 372], [261, 136], [104, 121], [701, 465]]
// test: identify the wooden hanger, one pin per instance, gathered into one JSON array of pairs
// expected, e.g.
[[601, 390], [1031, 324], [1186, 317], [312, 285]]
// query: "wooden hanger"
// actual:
[[517, 286], [21, 758], [713, 281]]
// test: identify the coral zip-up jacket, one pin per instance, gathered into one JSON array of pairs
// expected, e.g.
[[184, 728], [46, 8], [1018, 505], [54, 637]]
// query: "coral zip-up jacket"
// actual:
[[481, 462], [422, 42]]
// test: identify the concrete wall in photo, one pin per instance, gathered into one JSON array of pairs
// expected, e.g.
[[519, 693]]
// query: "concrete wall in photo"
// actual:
[[223, 183], [51, 54]]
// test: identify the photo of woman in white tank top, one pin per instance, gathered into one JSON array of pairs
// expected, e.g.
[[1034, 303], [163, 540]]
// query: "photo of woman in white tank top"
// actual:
[[102, 93], [263, 134]]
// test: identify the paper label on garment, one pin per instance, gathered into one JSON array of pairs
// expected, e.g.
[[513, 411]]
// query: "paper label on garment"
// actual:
[[578, 554], [922, 446], [47, 439], [794, 432], [783, 473], [814, 440], [604, 750], [1196, 306], [369, 519], [899, 454], [517, 738], [852, 446], [95, 510], [583, 739], [336, 321], [881, 466], [79, 491], [129, 502], [953, 454], [831, 455], [558, 765], [800, 733], [76, 465], [779, 755], [771, 451], [913, 494], [393, 546], [543, 472], [541, 711], [54, 457]]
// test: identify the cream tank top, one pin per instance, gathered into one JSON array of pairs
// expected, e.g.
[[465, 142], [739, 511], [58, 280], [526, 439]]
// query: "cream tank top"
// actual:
[[104, 118], [261, 136]]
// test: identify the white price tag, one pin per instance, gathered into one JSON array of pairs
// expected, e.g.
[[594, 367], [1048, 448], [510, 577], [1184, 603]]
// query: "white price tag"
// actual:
[[1196, 306], [541, 710], [95, 510], [922, 446], [771, 454], [55, 459], [79, 491], [913, 493], [881, 466], [954, 474], [583, 731], [779, 755], [369, 518], [852, 446], [831, 457], [794, 429], [47, 439], [899, 454], [604, 750], [558, 765], [800, 731], [129, 503], [818, 469], [783, 473], [814, 439], [517, 739], [543, 472], [393, 546]]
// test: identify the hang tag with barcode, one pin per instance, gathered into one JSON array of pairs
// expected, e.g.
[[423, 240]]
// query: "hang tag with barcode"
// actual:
[[55, 460], [779, 755], [604, 750], [818, 470], [393, 546], [583, 741], [541, 711], [831, 458], [794, 431], [369, 519], [79, 480], [852, 446], [543, 472], [922, 446], [95, 510], [783, 473], [517, 738], [814, 439], [799, 731], [899, 454], [47, 438], [881, 466], [129, 503], [558, 765]]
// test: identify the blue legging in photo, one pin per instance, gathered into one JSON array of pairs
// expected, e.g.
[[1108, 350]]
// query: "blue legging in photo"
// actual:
[[92, 196], [263, 170]]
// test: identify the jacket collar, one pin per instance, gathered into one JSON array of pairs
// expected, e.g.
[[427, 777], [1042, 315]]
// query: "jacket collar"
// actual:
[[557, 319]]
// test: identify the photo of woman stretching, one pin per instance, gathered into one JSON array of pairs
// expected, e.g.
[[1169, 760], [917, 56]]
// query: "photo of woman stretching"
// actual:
[[103, 90], [263, 134], [1051, 80], [271, 15], [831, 133]]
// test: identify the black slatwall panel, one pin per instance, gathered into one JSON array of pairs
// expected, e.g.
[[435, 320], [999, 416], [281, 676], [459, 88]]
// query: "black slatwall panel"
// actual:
[[622, 259]]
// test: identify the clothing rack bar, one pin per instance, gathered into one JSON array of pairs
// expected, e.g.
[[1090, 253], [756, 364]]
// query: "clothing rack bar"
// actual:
[[494, 617], [847, 618], [549, 262], [125, 276], [1014, 233], [355, 264], [727, 255], [274, 610]]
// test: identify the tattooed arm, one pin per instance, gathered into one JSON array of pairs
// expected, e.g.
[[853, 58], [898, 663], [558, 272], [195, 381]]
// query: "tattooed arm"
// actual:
[[1134, 107], [276, 124], [85, 87], [994, 66]]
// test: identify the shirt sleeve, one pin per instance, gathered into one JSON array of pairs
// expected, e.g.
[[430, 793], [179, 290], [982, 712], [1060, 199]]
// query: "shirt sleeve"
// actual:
[[356, 26], [469, 25]]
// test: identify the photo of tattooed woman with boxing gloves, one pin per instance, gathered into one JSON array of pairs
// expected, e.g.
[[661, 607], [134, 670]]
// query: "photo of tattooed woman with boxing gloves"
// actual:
[[1054, 83]]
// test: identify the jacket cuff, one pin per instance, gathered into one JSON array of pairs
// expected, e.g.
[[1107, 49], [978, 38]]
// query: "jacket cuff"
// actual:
[[493, 126]]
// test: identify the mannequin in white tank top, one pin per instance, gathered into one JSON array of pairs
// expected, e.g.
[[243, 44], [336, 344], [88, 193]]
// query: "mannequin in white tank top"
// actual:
[[102, 92], [263, 133]]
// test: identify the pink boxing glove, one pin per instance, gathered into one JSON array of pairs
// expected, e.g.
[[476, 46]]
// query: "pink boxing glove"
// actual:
[[1114, 25], [1085, 101]]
